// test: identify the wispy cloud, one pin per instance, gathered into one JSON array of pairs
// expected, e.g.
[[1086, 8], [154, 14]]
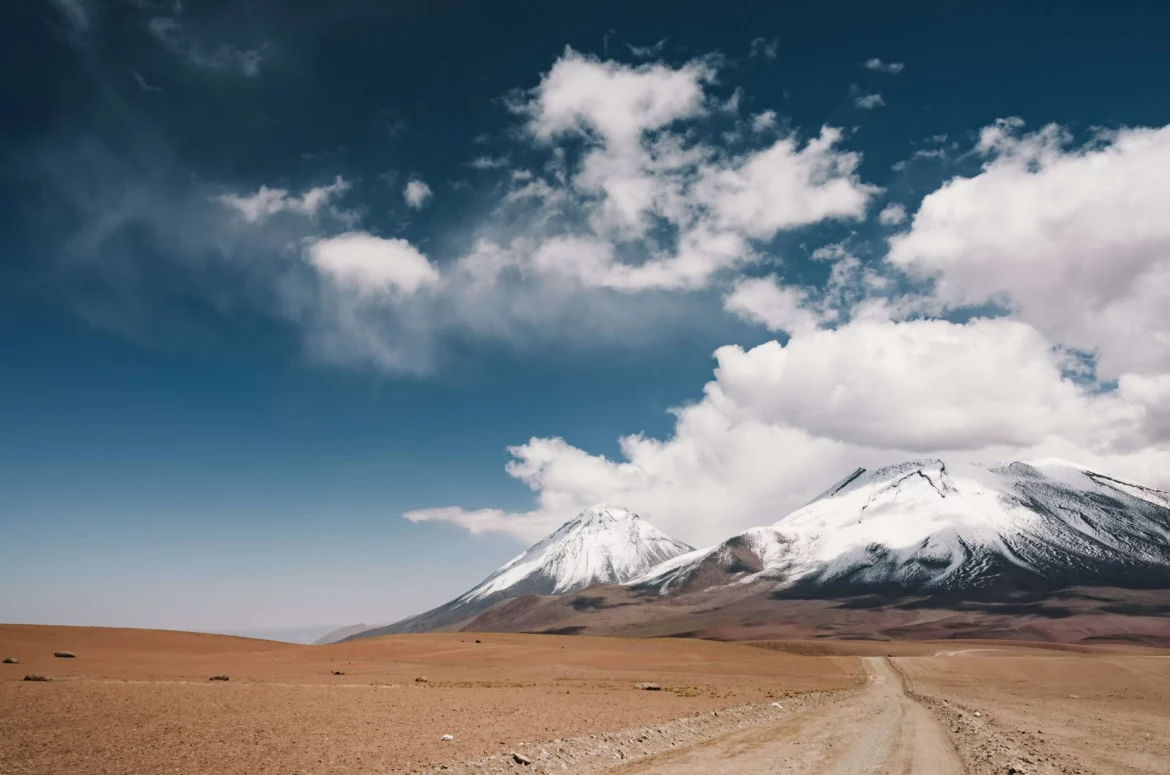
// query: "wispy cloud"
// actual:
[[647, 52], [270, 201], [143, 84], [486, 162], [169, 31], [77, 14], [764, 48], [882, 66], [869, 101]]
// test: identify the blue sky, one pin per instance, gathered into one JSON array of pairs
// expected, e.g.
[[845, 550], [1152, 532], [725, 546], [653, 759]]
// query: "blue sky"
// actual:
[[273, 276]]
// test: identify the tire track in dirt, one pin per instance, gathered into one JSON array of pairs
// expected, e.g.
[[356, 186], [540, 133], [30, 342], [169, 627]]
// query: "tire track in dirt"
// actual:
[[881, 731]]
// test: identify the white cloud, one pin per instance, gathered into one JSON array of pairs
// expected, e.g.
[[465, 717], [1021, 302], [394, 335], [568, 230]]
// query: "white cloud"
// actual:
[[582, 94], [270, 201], [883, 67], [892, 214], [764, 48], [778, 308], [786, 186], [762, 122], [779, 424], [416, 193], [369, 265], [869, 101], [1074, 240], [665, 206]]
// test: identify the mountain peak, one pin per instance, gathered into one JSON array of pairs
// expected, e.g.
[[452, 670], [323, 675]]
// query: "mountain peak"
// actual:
[[602, 515], [925, 525], [601, 545]]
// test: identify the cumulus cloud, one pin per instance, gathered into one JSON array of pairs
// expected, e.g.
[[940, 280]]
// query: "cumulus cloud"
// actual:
[[270, 201], [779, 423], [786, 185], [892, 214], [869, 101], [762, 122], [1073, 239], [765, 301], [663, 203], [881, 66], [416, 193], [367, 264]]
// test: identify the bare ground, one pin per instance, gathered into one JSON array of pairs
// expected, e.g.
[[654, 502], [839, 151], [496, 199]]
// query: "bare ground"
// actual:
[[140, 702]]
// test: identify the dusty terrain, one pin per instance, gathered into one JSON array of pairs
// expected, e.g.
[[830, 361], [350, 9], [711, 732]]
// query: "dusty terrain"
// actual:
[[141, 702], [755, 612]]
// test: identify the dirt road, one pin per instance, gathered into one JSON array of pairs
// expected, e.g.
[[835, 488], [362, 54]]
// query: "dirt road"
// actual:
[[880, 731]]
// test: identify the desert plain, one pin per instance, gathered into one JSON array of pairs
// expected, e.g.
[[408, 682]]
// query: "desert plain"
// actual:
[[140, 701]]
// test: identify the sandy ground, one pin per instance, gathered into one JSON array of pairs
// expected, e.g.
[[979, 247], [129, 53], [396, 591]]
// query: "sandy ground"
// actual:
[[140, 702], [137, 701]]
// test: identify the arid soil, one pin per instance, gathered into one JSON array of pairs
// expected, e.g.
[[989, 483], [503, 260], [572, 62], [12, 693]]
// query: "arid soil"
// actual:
[[135, 701], [754, 612], [141, 702]]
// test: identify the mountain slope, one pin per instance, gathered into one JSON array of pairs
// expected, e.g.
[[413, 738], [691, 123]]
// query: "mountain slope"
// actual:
[[601, 545], [924, 527]]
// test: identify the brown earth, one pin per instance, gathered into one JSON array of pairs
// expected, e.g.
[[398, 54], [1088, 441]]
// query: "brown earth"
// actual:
[[753, 612], [139, 701], [136, 701]]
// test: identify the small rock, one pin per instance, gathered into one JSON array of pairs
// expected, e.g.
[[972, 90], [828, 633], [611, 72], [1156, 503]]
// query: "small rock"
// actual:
[[64, 654], [338, 672], [447, 738], [31, 677], [218, 678], [422, 679], [978, 714], [646, 687], [520, 758], [11, 661], [477, 640], [777, 705]]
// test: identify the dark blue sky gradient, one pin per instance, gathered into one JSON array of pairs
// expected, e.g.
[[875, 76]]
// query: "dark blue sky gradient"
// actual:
[[167, 460]]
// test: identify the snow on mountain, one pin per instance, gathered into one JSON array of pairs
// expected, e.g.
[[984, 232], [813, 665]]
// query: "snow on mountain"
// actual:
[[602, 545], [928, 526]]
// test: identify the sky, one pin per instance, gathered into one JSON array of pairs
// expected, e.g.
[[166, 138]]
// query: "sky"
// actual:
[[315, 314]]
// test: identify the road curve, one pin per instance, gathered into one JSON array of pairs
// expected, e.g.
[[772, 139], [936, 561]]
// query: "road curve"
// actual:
[[880, 731]]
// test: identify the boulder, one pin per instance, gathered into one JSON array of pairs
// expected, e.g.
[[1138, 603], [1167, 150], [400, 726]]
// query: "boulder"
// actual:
[[218, 678], [37, 678], [11, 661], [520, 758], [64, 654], [647, 687], [422, 679], [447, 738]]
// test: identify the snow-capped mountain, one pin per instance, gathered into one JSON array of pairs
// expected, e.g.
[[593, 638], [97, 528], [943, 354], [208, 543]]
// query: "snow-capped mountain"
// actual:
[[925, 526], [601, 545]]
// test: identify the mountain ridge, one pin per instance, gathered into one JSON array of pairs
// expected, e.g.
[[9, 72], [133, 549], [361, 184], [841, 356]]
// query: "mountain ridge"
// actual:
[[601, 545]]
